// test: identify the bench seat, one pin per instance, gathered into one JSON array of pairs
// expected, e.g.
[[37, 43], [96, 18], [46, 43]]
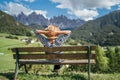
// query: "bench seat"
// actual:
[[64, 62]]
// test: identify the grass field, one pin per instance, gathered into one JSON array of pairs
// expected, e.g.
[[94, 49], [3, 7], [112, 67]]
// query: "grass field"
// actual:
[[6, 60], [7, 66], [62, 76]]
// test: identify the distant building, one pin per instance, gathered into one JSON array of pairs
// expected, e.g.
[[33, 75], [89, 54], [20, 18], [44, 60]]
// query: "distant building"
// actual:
[[27, 40]]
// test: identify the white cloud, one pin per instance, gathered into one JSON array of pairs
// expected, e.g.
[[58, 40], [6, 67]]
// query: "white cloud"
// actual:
[[85, 9], [15, 9], [84, 14], [41, 12], [30, 1]]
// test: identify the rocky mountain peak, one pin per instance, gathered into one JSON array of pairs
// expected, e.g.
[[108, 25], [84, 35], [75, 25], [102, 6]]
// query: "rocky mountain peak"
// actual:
[[62, 21]]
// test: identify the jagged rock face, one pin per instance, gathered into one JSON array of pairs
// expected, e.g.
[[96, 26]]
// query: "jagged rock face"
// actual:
[[62, 21], [33, 18]]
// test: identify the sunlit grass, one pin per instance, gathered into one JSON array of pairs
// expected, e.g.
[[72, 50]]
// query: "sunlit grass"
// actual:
[[7, 62], [62, 76]]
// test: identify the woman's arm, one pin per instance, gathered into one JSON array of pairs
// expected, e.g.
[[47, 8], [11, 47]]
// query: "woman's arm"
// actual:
[[64, 32], [42, 31]]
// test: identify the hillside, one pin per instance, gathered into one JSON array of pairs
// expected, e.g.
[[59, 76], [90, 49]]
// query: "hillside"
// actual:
[[9, 25], [104, 30]]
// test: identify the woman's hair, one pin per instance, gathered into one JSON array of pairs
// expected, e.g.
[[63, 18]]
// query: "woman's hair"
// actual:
[[52, 28]]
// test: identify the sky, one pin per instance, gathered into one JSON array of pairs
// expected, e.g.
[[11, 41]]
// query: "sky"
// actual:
[[83, 9]]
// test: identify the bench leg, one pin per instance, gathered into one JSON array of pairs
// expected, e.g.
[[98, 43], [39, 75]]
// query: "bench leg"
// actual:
[[25, 68], [16, 71], [89, 65], [89, 71]]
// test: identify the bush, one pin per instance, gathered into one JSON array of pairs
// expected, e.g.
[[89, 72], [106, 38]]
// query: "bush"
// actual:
[[101, 60], [113, 53], [117, 51], [11, 37], [71, 42], [36, 69]]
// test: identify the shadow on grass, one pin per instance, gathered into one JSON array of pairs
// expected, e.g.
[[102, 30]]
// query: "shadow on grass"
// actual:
[[6, 76]]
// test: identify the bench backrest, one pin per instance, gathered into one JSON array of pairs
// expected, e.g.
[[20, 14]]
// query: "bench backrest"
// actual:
[[71, 52]]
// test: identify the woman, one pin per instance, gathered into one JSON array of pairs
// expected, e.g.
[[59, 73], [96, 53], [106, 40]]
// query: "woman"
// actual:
[[54, 37]]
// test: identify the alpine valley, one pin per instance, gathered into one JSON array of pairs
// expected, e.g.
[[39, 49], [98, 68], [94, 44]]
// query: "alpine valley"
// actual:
[[104, 30]]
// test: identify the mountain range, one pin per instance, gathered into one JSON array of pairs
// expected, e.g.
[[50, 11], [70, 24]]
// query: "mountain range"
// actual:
[[104, 30], [61, 21]]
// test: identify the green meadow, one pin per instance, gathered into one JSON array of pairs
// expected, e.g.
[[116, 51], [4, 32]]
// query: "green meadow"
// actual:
[[7, 66], [6, 60]]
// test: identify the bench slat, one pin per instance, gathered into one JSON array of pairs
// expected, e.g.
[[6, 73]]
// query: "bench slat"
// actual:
[[54, 56], [56, 62], [43, 49], [93, 48]]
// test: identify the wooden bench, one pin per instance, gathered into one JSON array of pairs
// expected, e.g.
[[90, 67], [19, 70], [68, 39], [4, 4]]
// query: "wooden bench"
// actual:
[[72, 55]]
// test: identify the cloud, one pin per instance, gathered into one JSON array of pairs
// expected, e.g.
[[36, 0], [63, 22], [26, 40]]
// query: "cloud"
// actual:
[[85, 9], [30, 1], [84, 14], [15, 9], [41, 12]]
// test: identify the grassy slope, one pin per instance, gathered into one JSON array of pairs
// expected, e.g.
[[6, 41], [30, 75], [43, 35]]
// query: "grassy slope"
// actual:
[[6, 55], [7, 62]]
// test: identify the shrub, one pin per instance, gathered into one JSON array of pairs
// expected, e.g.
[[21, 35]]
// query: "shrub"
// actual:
[[101, 60], [11, 37], [113, 53], [71, 42]]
